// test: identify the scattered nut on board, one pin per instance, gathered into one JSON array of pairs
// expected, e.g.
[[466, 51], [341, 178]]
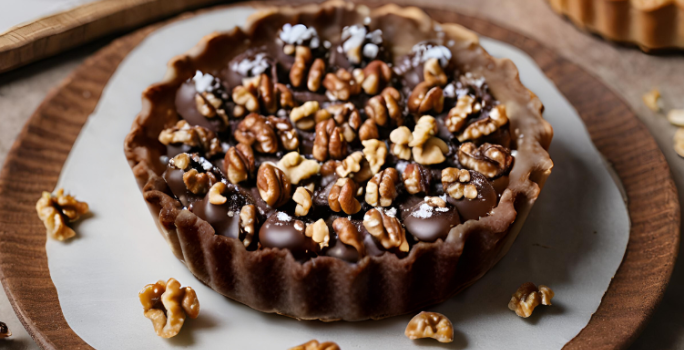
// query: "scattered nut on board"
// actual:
[[56, 209], [676, 117], [315, 345], [430, 325], [166, 304], [4, 331], [679, 142], [652, 100], [529, 296]]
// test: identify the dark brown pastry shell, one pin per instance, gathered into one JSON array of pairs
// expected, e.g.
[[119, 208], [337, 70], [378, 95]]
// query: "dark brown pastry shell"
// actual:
[[327, 288]]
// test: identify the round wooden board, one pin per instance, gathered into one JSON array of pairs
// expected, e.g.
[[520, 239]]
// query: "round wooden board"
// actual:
[[35, 161]]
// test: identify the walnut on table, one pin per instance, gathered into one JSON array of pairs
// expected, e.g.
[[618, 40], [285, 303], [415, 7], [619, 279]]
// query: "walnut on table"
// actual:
[[167, 305], [56, 209], [4, 331], [430, 325], [315, 345], [527, 297]]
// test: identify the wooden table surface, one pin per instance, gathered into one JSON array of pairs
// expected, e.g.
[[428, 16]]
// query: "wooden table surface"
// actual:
[[626, 70]]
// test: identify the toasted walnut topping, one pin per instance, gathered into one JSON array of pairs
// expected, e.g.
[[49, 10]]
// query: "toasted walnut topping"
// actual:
[[287, 134], [679, 142], [302, 59], [676, 117], [329, 141], [385, 107], [381, 190], [341, 85], [527, 297], [273, 185], [193, 136], [355, 166], [401, 137], [430, 325], [426, 127], [652, 100], [210, 106], [416, 179], [345, 113], [216, 194], [435, 202], [180, 161], [368, 130], [55, 209], [167, 305], [424, 98], [315, 345], [328, 168], [433, 73], [248, 221], [387, 229], [343, 196], [302, 197], [4, 331], [303, 116], [490, 160], [196, 182], [297, 167], [239, 163], [496, 119], [456, 183], [372, 78], [348, 234], [319, 233], [458, 115], [267, 94], [256, 132], [375, 152], [316, 75], [431, 152], [245, 99], [284, 95]]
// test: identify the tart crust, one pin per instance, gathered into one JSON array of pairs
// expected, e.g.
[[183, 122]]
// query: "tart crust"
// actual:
[[328, 288], [650, 24]]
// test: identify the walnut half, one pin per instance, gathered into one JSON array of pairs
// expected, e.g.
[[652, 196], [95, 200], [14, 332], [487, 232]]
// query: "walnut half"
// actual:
[[342, 196], [386, 228], [490, 160], [528, 297], [381, 190], [315, 345], [55, 210], [430, 325], [166, 304], [273, 185]]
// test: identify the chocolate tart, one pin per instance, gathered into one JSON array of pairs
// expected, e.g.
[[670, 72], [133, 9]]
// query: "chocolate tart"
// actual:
[[652, 25], [380, 238]]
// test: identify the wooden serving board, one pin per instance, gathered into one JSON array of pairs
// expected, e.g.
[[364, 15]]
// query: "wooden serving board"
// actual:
[[35, 161]]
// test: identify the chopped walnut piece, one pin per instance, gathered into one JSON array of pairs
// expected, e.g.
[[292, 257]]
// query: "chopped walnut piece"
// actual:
[[180, 161], [679, 142], [210, 106], [528, 297], [424, 98], [433, 73], [303, 116], [315, 345], [245, 99], [348, 234], [387, 229], [284, 96], [302, 197], [193, 136], [297, 167], [216, 194], [256, 132], [316, 72], [342, 196], [416, 179], [456, 183], [329, 141], [652, 100], [676, 117], [385, 107], [368, 130], [248, 221], [430, 325], [496, 119], [374, 76], [355, 166], [4, 331], [490, 160], [375, 152], [465, 106], [287, 134], [318, 232], [401, 137], [341, 85], [166, 304], [196, 182], [426, 127], [239, 163], [56, 209], [435, 202], [345, 113], [431, 152], [267, 94], [381, 190], [302, 58], [273, 185]]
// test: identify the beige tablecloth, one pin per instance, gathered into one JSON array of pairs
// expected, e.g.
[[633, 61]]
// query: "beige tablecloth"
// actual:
[[626, 70]]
